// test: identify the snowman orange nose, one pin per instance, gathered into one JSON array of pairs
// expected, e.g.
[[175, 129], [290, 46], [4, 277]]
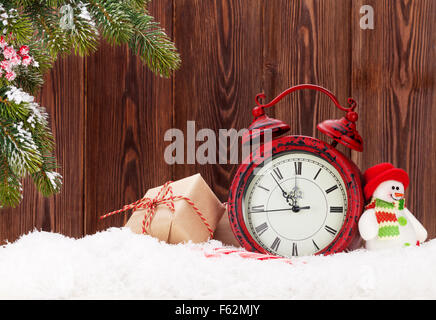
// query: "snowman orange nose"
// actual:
[[399, 194]]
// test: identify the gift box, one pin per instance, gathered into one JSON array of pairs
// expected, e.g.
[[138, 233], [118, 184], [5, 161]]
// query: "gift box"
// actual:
[[180, 211], [224, 232]]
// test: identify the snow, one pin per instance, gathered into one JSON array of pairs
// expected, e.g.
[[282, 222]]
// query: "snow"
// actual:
[[117, 264], [84, 13], [18, 95], [19, 159], [36, 114], [54, 178]]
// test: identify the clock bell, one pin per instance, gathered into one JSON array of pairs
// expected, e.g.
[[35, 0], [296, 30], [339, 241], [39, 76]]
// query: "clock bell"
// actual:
[[341, 131]]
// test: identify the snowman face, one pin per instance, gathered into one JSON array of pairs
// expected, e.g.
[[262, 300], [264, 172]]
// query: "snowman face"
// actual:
[[390, 190]]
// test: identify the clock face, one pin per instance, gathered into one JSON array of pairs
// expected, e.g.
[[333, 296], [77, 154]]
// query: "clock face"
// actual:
[[295, 204]]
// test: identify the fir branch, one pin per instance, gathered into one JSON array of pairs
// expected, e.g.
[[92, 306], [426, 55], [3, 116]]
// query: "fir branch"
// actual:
[[21, 28], [10, 185], [44, 59], [29, 79], [12, 111], [137, 4], [84, 35], [152, 44], [51, 34], [26, 145], [34, 34], [49, 3], [17, 144], [112, 19], [47, 180]]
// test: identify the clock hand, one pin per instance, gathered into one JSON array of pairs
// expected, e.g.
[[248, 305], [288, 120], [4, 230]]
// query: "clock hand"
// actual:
[[297, 208], [285, 194], [274, 210], [294, 208], [295, 181]]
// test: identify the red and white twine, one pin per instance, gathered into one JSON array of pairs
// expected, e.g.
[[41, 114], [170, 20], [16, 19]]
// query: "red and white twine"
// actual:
[[164, 197]]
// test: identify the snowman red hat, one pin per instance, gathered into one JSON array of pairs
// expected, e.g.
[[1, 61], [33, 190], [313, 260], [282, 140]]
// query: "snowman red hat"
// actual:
[[383, 172]]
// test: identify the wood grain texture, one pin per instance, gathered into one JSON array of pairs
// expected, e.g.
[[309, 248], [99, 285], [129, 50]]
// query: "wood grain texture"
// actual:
[[307, 42], [394, 80], [63, 97], [128, 111], [220, 75]]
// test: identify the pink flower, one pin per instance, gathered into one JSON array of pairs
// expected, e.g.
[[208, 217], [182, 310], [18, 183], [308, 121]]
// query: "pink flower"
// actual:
[[5, 65], [15, 60], [24, 51], [11, 76], [9, 52], [3, 42], [26, 60]]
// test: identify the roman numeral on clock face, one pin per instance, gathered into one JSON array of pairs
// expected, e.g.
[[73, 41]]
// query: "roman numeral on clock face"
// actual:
[[262, 187], [316, 176], [297, 166], [261, 228], [276, 243], [278, 173], [315, 245], [294, 249], [336, 209], [330, 230], [259, 208], [331, 189]]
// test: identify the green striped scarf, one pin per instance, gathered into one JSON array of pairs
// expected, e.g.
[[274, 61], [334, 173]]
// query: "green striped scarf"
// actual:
[[385, 212]]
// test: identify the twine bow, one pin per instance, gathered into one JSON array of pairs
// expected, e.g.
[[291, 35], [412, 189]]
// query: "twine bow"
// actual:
[[164, 197]]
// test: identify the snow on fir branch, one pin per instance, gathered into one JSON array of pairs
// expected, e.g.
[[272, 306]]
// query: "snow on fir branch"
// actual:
[[33, 33]]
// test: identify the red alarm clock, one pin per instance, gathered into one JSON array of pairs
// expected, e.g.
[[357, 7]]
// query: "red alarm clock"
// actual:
[[297, 195]]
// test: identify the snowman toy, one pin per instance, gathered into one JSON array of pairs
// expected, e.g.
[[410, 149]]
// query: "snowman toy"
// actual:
[[386, 222]]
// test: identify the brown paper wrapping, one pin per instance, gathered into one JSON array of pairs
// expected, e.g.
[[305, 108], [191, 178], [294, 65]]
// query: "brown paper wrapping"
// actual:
[[183, 224], [224, 232]]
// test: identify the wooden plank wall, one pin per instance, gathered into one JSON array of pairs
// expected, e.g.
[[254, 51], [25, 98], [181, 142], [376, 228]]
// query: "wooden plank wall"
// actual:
[[109, 113]]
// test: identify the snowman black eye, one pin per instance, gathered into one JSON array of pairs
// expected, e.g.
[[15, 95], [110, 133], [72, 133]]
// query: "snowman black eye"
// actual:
[[398, 188], [393, 188]]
